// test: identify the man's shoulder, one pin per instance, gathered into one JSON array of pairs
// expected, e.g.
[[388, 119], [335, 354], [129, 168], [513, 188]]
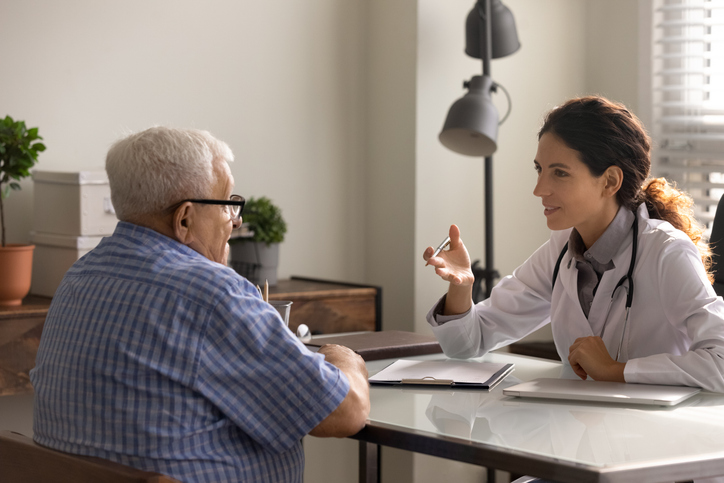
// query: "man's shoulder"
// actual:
[[152, 259]]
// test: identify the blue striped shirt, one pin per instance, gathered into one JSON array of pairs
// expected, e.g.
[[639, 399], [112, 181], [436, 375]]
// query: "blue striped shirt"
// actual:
[[158, 358]]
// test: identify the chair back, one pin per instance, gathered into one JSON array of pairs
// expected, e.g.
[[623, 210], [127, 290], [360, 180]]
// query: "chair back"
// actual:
[[22, 460], [716, 242]]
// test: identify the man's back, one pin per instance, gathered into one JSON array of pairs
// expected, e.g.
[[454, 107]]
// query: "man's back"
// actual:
[[156, 357]]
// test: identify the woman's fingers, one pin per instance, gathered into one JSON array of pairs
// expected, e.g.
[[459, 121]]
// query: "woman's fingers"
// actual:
[[454, 234]]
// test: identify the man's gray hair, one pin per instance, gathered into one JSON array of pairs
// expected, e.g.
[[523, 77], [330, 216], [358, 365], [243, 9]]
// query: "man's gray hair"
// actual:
[[151, 170]]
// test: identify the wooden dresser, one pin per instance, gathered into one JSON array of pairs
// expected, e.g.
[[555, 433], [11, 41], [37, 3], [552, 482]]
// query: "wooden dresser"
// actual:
[[20, 329], [326, 307]]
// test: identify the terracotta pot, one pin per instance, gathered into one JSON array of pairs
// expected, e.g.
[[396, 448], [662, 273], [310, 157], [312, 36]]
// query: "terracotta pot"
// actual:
[[16, 266]]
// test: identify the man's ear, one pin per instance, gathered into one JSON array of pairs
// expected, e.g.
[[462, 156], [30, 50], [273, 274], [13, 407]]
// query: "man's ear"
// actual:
[[613, 177], [183, 223]]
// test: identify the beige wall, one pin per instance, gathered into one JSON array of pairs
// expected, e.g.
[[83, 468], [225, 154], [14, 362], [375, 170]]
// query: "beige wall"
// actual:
[[332, 108]]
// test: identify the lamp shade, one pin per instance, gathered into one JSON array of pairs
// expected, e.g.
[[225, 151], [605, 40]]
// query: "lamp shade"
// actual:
[[503, 31], [471, 127]]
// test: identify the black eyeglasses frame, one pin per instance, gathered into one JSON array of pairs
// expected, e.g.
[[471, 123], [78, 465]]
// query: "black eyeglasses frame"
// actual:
[[239, 201]]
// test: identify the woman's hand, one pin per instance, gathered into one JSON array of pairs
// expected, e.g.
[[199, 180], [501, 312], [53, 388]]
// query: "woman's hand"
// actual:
[[453, 266], [588, 356]]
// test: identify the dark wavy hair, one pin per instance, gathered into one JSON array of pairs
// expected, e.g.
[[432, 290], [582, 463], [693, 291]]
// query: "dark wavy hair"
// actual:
[[605, 133]]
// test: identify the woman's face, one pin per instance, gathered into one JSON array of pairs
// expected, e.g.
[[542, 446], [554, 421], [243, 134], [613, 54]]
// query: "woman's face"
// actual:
[[571, 195]]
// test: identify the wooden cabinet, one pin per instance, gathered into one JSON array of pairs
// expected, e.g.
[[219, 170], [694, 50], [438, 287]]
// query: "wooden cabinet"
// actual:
[[20, 329], [326, 307], [330, 307]]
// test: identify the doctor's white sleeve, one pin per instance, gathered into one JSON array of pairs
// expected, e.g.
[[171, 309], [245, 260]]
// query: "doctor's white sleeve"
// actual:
[[692, 307], [518, 305]]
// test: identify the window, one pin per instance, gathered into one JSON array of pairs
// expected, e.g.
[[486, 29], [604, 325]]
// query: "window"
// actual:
[[688, 98]]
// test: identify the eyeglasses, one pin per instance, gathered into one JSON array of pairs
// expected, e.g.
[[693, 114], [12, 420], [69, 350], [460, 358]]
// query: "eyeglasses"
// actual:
[[234, 205]]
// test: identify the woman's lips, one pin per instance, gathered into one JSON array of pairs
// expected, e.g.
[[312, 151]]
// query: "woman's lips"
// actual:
[[549, 210]]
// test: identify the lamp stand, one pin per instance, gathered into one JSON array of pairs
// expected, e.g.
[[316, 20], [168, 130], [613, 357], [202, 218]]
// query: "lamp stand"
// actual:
[[486, 274]]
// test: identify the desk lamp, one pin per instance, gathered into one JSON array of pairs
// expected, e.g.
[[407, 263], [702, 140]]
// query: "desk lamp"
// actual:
[[471, 126]]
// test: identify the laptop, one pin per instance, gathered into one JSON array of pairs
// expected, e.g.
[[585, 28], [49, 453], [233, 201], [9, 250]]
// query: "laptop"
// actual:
[[598, 391]]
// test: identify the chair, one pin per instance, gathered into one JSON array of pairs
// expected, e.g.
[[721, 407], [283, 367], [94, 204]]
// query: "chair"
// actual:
[[22, 461], [716, 241]]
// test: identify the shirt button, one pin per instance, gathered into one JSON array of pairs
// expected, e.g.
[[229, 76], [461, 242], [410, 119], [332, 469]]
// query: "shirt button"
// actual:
[[588, 255]]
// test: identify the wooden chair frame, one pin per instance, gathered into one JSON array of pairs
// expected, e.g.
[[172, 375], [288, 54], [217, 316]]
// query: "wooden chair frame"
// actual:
[[22, 460]]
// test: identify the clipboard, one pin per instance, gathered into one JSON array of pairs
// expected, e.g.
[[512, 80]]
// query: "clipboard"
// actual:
[[451, 373]]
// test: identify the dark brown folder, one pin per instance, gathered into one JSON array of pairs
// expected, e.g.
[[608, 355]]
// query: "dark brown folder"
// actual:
[[386, 344]]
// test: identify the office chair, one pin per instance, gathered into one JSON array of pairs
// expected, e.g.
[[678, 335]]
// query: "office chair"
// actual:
[[22, 461], [716, 242]]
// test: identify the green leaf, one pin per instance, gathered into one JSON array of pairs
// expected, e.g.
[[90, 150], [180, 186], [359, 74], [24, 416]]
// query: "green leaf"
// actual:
[[265, 220], [19, 148]]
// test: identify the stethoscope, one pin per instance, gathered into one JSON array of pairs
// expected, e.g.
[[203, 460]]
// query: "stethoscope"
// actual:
[[628, 277]]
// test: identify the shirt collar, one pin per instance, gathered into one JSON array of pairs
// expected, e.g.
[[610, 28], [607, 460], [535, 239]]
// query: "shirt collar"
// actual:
[[607, 245], [148, 237]]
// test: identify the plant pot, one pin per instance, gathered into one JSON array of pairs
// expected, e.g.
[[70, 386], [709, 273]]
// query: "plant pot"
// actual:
[[16, 267], [255, 261]]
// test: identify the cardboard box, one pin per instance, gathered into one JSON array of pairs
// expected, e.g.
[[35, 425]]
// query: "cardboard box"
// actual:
[[53, 256], [73, 204]]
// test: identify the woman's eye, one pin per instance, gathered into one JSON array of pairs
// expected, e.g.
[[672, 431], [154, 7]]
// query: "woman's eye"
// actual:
[[560, 173]]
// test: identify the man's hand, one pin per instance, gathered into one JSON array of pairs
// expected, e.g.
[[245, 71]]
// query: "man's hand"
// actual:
[[588, 356]]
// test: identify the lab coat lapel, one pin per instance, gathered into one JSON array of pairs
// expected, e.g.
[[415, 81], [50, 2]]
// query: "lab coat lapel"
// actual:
[[604, 314], [568, 322], [602, 301]]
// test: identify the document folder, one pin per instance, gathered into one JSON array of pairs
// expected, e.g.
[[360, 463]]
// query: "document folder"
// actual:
[[386, 344], [454, 373]]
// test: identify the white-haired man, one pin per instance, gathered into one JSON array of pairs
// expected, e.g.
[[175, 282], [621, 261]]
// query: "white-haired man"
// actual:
[[157, 355]]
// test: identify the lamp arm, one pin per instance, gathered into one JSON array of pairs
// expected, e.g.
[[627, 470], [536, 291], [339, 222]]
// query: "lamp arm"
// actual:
[[507, 95]]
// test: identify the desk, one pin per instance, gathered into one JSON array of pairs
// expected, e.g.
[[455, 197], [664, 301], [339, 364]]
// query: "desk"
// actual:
[[562, 441]]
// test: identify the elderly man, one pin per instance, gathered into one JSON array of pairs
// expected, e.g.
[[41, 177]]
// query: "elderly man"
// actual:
[[157, 355]]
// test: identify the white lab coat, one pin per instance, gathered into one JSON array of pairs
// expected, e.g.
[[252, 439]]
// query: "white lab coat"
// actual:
[[675, 332]]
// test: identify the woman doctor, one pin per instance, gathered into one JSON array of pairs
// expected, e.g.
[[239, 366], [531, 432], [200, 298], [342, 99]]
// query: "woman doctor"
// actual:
[[631, 299]]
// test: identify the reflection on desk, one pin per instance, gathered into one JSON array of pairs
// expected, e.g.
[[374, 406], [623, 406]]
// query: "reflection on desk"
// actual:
[[595, 434], [560, 440]]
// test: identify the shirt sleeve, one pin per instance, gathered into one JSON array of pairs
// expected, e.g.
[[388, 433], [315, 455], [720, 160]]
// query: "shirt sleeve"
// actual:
[[262, 377], [693, 308]]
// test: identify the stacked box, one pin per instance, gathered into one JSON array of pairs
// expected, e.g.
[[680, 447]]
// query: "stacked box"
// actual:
[[72, 213]]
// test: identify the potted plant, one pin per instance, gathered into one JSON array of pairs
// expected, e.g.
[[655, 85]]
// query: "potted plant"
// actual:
[[256, 256], [19, 148]]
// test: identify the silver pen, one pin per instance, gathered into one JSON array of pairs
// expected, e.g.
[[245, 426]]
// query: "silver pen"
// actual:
[[440, 248]]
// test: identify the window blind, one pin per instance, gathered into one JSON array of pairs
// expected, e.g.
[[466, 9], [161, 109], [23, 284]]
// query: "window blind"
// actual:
[[688, 99]]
